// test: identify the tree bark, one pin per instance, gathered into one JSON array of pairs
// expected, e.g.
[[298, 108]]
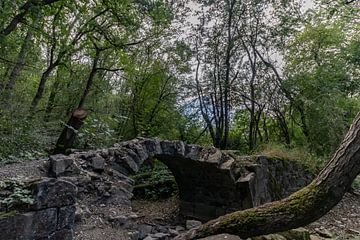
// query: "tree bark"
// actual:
[[302, 207], [90, 80], [51, 100], [68, 135], [15, 73], [41, 88]]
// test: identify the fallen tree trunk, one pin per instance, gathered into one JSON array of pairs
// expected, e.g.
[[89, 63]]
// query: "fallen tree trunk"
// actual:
[[302, 207]]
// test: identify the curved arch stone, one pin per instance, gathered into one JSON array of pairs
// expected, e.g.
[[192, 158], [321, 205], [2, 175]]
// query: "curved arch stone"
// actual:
[[211, 182]]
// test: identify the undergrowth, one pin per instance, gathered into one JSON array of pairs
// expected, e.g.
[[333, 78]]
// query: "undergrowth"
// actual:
[[312, 161], [154, 181], [14, 193]]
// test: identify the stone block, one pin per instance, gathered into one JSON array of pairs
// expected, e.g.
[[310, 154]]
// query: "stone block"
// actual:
[[64, 234], [138, 149], [152, 146], [98, 163], [30, 225], [66, 217], [49, 193], [61, 165], [193, 152], [173, 148], [127, 164]]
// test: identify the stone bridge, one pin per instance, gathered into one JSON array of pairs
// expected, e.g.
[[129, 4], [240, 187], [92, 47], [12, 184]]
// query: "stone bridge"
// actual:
[[211, 182]]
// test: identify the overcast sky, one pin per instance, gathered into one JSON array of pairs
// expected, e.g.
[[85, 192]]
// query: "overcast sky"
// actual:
[[306, 5]]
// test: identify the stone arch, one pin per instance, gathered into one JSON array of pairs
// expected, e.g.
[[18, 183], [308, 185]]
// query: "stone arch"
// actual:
[[211, 182], [207, 183]]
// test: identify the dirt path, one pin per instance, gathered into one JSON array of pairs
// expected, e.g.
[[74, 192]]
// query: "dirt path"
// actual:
[[24, 170], [343, 220]]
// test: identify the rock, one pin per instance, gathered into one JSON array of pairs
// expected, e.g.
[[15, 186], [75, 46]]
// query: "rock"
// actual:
[[123, 221], [124, 163], [324, 233], [149, 238], [180, 228], [160, 236], [66, 217], [81, 213], [50, 193], [152, 146], [315, 237], [173, 232], [134, 235], [163, 229], [64, 234], [296, 234], [190, 224], [30, 225], [61, 165], [144, 230], [98, 163], [222, 236], [175, 148]]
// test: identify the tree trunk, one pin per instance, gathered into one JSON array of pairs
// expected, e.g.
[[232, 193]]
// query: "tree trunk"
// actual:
[[68, 135], [23, 11], [41, 88], [51, 100], [90, 80], [302, 207], [15, 73]]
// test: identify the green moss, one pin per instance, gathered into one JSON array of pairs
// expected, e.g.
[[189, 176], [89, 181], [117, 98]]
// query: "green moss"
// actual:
[[4, 215], [305, 204], [303, 201]]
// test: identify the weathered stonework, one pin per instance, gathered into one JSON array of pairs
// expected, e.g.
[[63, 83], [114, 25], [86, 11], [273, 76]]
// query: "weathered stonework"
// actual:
[[51, 215], [211, 183]]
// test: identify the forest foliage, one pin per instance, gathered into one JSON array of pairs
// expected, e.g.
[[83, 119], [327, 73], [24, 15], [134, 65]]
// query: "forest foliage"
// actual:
[[230, 74]]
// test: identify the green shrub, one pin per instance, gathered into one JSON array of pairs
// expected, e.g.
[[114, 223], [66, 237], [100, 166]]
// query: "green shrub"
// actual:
[[154, 182], [22, 140], [97, 132], [14, 193]]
